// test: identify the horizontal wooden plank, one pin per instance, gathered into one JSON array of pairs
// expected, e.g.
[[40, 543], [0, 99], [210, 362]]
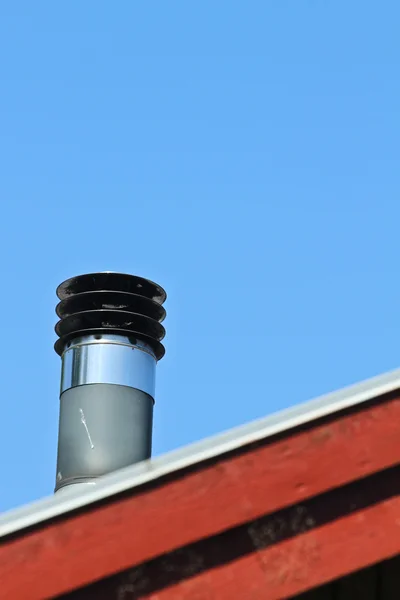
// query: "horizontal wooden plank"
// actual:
[[312, 559], [237, 488], [277, 544]]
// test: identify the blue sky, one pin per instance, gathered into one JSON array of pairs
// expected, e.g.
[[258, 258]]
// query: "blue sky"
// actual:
[[245, 155]]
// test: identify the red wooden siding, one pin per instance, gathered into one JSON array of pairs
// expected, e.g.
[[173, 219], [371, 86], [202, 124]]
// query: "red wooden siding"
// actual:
[[220, 497], [276, 556]]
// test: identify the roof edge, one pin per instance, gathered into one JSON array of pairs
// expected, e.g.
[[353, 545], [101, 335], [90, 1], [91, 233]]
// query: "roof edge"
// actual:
[[151, 470]]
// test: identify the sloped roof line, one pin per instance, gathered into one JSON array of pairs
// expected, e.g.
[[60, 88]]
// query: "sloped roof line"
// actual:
[[147, 471]]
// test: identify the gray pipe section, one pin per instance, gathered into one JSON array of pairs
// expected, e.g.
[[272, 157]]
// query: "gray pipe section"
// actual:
[[103, 427], [106, 408]]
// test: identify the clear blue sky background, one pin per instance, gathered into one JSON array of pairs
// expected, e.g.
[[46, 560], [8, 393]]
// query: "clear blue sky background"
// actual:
[[245, 155]]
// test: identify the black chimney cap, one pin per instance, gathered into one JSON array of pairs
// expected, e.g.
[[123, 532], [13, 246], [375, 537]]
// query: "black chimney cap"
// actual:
[[108, 302]]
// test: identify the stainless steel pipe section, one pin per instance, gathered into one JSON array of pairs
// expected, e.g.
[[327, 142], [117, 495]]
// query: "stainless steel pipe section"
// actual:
[[111, 359]]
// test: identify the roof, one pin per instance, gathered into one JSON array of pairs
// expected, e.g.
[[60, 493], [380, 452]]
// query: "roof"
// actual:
[[217, 486], [235, 438]]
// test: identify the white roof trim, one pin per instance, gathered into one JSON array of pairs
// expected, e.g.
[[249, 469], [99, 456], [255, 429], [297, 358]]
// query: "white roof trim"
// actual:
[[141, 473]]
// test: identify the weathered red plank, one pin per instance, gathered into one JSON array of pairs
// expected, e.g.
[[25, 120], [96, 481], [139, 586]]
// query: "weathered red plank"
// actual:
[[198, 561], [74, 551], [301, 563]]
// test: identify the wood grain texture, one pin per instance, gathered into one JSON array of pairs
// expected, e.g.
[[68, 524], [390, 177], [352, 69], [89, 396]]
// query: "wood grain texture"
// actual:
[[283, 552], [312, 559], [232, 490]]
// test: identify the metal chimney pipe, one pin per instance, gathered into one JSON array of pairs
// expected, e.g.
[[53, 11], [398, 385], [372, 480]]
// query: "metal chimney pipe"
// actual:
[[110, 336]]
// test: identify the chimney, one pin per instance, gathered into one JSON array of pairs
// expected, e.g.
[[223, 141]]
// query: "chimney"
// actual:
[[110, 336]]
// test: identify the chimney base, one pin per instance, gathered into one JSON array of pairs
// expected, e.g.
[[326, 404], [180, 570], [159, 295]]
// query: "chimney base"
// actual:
[[102, 427]]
